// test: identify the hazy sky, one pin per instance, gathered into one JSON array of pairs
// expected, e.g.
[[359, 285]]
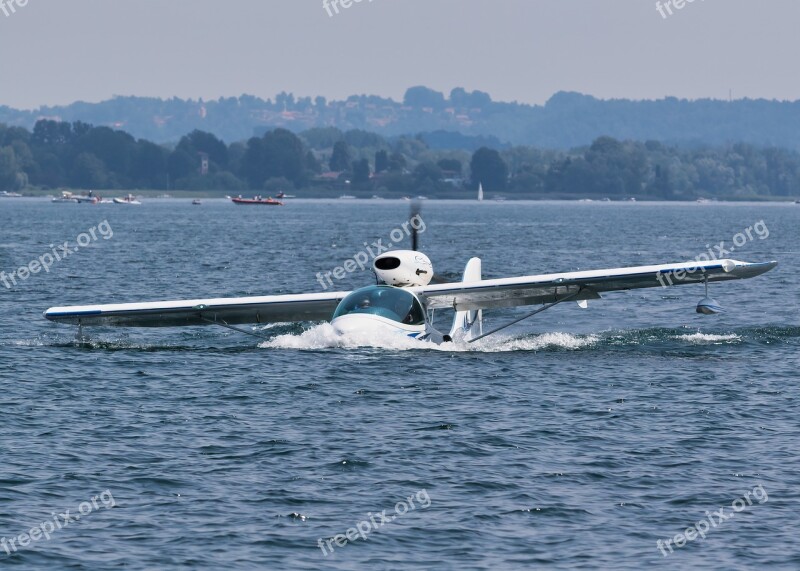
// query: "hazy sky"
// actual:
[[59, 51]]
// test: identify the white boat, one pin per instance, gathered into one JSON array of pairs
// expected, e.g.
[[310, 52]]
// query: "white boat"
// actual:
[[66, 196], [130, 200], [347, 197], [6, 194], [480, 192]]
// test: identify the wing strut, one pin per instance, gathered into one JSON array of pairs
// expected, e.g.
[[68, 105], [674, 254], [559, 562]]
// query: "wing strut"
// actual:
[[227, 326], [541, 309]]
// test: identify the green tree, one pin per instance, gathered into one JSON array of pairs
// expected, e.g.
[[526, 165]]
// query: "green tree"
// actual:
[[89, 172], [397, 162], [320, 138], [340, 159], [181, 164], [452, 165], [285, 156], [312, 164], [279, 153], [150, 165], [201, 142], [361, 173], [427, 175], [48, 133], [116, 149], [381, 161], [8, 169], [489, 169], [421, 96]]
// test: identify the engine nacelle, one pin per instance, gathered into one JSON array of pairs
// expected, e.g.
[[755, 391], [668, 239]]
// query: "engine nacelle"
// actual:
[[404, 268]]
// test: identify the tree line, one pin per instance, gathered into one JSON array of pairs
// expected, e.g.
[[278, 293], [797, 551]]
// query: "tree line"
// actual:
[[81, 156], [565, 121]]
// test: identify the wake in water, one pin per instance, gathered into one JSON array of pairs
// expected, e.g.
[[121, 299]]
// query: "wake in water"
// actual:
[[325, 337], [709, 338]]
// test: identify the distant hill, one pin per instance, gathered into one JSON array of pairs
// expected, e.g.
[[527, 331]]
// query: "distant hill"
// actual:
[[566, 121]]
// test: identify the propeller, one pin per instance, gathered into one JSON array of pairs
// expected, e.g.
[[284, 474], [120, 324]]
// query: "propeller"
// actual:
[[416, 211]]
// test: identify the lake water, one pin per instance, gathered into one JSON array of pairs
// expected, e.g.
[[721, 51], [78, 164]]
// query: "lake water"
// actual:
[[578, 439]]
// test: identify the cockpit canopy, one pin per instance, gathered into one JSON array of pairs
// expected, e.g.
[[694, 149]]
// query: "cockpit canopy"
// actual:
[[385, 301]]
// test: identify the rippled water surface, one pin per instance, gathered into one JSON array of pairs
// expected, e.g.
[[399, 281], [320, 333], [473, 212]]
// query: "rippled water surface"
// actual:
[[577, 439]]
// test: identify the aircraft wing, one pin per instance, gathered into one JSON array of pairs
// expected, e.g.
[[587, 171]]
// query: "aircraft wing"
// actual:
[[232, 311], [548, 288]]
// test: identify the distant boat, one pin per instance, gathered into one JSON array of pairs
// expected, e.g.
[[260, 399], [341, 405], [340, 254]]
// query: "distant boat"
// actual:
[[66, 196], [256, 201], [129, 200], [703, 201], [196, 202], [87, 198], [500, 198], [282, 195], [6, 194], [480, 192], [346, 197], [420, 197], [376, 197]]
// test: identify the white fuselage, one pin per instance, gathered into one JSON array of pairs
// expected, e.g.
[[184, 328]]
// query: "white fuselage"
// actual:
[[375, 325], [381, 311]]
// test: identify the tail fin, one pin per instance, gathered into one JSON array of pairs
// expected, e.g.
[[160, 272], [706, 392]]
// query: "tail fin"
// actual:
[[468, 324]]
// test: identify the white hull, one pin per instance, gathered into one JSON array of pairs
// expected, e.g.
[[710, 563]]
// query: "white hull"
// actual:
[[369, 326]]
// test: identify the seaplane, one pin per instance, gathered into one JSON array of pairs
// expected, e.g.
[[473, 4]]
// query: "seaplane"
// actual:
[[407, 294]]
